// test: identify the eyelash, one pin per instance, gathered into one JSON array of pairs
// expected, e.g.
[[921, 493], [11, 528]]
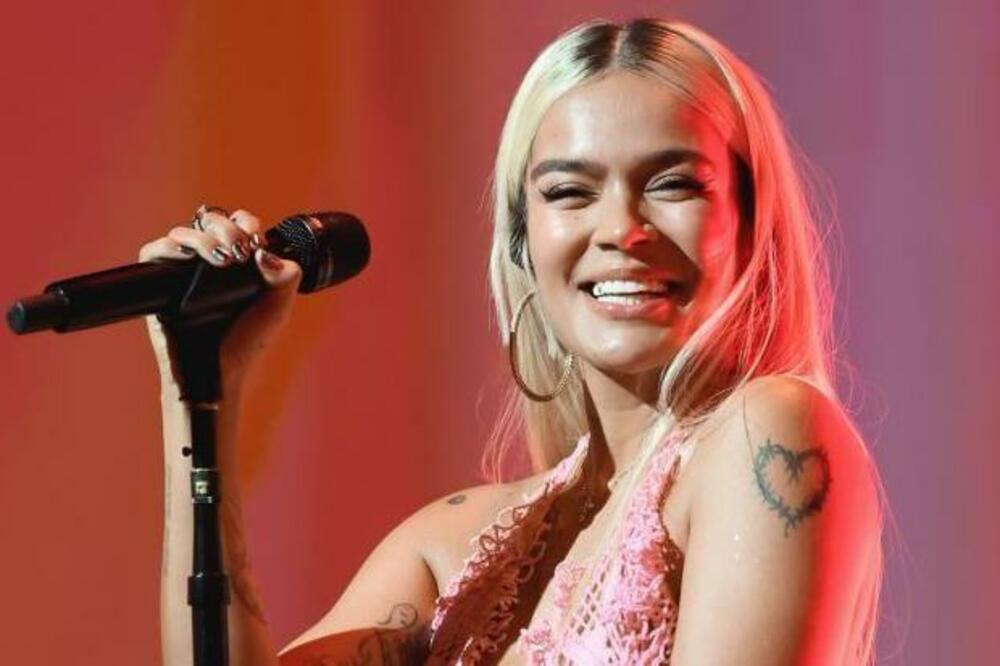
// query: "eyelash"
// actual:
[[560, 192]]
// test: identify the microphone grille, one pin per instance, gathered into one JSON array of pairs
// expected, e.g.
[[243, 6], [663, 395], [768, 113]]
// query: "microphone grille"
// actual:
[[329, 246]]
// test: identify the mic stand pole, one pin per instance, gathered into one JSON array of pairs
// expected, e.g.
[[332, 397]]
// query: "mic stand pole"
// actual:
[[197, 327]]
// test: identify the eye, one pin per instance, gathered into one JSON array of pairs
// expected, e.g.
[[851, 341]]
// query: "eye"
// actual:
[[558, 192], [678, 185]]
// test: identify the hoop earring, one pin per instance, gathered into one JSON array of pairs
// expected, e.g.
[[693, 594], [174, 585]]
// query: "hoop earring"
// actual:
[[512, 348]]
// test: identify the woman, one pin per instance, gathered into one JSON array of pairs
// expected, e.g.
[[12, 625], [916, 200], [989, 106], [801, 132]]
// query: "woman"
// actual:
[[655, 256]]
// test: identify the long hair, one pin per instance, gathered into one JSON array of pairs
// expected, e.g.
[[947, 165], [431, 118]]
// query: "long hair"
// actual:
[[775, 319]]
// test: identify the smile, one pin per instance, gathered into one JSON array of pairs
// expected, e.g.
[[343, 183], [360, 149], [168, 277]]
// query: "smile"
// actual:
[[630, 300]]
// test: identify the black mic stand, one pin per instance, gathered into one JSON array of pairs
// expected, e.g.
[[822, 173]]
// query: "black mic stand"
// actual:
[[197, 328]]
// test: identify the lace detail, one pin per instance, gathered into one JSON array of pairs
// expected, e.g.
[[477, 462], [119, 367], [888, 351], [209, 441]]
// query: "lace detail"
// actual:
[[627, 612], [471, 617]]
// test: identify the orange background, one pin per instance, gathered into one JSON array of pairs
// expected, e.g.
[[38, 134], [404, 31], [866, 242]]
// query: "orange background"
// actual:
[[120, 118]]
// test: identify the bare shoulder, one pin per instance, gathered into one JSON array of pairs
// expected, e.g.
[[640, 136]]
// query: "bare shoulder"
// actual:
[[784, 442], [784, 531], [448, 525]]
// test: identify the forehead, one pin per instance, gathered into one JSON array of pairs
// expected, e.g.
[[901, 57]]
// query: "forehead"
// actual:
[[620, 117]]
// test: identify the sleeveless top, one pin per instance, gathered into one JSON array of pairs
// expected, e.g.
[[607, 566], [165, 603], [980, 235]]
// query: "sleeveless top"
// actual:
[[625, 614]]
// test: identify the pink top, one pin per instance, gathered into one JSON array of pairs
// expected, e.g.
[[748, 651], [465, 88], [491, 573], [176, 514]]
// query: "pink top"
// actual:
[[626, 616]]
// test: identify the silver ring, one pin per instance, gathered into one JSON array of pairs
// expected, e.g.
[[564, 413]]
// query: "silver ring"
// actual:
[[196, 221]]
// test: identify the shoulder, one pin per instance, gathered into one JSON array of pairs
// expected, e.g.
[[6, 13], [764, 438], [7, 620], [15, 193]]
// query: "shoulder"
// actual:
[[785, 517], [784, 443], [442, 530], [781, 415]]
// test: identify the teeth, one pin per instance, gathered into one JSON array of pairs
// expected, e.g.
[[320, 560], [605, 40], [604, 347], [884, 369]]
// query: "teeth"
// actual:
[[618, 287], [624, 300]]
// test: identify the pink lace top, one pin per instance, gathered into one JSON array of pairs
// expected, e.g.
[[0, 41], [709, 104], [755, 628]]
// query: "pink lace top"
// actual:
[[625, 614]]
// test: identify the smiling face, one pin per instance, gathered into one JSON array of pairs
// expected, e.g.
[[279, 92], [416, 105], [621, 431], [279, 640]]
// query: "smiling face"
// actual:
[[626, 176]]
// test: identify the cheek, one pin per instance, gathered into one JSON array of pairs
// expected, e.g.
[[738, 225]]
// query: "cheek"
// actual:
[[554, 243], [715, 245], [707, 235]]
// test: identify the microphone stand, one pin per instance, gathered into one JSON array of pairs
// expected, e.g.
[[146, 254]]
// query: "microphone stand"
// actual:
[[198, 327]]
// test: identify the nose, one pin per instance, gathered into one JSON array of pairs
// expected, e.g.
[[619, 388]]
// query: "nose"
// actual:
[[623, 226]]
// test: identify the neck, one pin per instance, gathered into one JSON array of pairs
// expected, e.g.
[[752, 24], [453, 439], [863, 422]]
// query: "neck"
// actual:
[[619, 410]]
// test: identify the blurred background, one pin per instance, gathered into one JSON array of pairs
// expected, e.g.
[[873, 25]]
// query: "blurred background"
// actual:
[[119, 118]]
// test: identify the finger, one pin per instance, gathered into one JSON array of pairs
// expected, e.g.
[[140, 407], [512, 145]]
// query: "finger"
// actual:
[[278, 273], [251, 226], [206, 245], [165, 248], [231, 237]]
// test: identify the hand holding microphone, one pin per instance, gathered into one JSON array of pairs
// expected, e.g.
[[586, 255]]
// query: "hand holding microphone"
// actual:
[[219, 264], [223, 242]]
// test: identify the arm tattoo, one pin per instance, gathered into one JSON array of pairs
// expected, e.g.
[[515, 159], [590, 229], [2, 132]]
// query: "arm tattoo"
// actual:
[[457, 499], [402, 615], [802, 479], [404, 642], [240, 577], [395, 647]]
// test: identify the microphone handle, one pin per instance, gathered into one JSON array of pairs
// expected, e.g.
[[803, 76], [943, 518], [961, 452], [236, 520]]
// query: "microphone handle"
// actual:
[[130, 291]]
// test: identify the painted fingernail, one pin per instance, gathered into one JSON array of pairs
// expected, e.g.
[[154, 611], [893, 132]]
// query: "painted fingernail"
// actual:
[[220, 255], [255, 240], [270, 261], [239, 252], [184, 249]]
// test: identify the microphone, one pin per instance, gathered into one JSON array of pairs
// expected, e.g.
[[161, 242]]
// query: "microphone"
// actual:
[[329, 247]]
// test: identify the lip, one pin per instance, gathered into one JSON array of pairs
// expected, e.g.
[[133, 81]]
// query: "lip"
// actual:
[[654, 309], [625, 273]]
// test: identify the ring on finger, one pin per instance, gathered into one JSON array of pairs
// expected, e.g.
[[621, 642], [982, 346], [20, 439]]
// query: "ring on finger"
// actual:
[[197, 222]]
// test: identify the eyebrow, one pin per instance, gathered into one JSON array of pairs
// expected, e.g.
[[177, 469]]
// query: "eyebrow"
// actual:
[[661, 159]]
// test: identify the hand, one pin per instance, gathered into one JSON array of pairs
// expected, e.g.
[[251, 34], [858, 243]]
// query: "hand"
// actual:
[[226, 242]]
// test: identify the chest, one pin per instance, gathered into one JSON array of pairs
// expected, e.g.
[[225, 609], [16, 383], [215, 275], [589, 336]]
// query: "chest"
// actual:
[[548, 576]]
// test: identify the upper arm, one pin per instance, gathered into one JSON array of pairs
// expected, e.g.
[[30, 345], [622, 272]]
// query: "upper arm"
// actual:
[[393, 592], [388, 605], [785, 525]]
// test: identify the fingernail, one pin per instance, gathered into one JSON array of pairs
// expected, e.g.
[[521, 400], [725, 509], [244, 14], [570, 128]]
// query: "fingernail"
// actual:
[[255, 241], [270, 261], [186, 250], [239, 252], [220, 255]]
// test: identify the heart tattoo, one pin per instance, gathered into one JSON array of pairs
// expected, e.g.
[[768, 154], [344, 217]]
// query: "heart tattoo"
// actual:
[[803, 480]]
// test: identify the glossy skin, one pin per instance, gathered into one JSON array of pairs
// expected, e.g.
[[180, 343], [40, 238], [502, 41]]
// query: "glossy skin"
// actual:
[[600, 169], [625, 174], [775, 510], [761, 586]]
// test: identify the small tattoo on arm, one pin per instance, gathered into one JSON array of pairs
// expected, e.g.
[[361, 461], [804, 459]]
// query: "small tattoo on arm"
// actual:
[[399, 641], [793, 484], [402, 615], [457, 499]]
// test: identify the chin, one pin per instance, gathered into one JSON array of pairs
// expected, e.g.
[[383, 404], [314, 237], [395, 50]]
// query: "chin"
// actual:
[[632, 359]]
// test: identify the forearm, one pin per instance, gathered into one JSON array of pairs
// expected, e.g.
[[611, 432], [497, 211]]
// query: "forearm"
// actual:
[[250, 643]]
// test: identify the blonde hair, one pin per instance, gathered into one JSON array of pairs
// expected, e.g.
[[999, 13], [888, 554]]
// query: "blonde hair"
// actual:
[[776, 318]]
